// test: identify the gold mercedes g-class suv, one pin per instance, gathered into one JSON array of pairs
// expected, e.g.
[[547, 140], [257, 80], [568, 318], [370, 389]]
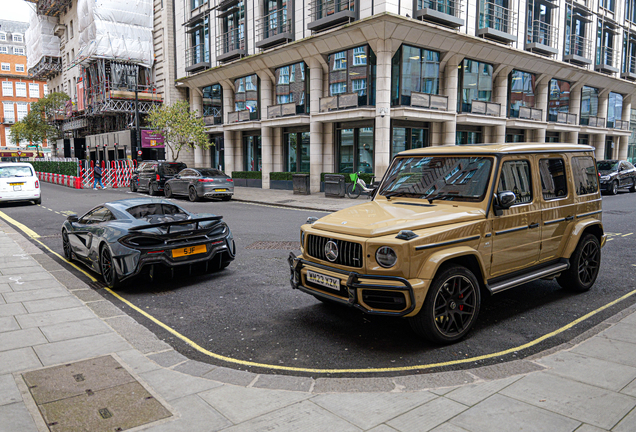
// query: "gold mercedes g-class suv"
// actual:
[[449, 223]]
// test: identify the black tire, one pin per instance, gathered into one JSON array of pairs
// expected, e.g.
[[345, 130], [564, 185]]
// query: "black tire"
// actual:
[[226, 198], [633, 188], [167, 191], [153, 189], [584, 265], [37, 201], [613, 189], [66, 246], [353, 193], [451, 306], [192, 194], [107, 268], [133, 186]]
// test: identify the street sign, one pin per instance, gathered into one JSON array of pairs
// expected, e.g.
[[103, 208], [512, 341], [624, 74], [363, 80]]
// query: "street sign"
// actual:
[[139, 152]]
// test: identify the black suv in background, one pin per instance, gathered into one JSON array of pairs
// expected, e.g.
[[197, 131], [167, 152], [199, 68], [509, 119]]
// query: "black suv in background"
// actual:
[[134, 179], [152, 176], [616, 174]]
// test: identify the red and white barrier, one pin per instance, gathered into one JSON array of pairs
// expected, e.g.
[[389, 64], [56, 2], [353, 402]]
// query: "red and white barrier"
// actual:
[[115, 174]]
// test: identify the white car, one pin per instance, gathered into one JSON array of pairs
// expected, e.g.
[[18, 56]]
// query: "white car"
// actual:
[[18, 182]]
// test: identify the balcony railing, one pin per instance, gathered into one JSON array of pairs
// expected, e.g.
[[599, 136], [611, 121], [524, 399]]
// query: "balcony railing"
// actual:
[[542, 37], [328, 13], [281, 110], [430, 101], [230, 45], [630, 68], [197, 57], [619, 124], [212, 115], [240, 116], [579, 50], [341, 101], [497, 22], [606, 60], [485, 108], [445, 12], [593, 121], [564, 118], [528, 113], [274, 28]]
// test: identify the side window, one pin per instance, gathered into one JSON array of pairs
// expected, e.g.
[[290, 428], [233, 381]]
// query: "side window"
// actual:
[[553, 181], [515, 177], [95, 216], [585, 176]]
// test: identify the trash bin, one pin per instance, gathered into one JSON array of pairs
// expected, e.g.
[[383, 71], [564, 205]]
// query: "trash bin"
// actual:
[[301, 184], [334, 186]]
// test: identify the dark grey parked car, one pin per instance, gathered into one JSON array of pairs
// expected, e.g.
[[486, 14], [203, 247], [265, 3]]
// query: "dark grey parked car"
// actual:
[[120, 239], [197, 183], [615, 175], [153, 176]]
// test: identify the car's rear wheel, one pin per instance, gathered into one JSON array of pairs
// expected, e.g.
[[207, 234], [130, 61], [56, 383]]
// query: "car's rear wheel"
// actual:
[[192, 194], [633, 188], [133, 186], [584, 265], [66, 246], [613, 189], [38, 201], [450, 308], [154, 189], [167, 191], [107, 268]]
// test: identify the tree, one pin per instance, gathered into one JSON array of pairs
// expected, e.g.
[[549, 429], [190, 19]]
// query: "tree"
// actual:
[[181, 128]]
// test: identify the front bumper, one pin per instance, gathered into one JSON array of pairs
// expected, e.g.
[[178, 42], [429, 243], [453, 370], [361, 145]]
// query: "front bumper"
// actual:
[[354, 287]]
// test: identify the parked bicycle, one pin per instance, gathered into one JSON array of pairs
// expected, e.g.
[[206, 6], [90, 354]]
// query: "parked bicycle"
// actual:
[[359, 186]]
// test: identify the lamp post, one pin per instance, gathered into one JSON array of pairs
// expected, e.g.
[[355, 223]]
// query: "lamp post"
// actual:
[[138, 133]]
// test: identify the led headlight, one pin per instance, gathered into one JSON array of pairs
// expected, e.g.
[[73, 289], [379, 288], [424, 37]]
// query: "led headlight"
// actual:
[[386, 257], [605, 178], [302, 238]]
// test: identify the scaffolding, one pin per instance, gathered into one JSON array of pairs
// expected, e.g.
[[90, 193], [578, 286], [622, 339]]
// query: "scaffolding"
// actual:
[[44, 59], [52, 8]]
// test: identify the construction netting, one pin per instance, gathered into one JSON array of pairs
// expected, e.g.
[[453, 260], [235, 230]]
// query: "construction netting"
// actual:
[[40, 39], [118, 30]]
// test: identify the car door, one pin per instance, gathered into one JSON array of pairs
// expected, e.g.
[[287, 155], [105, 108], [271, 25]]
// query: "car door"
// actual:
[[81, 237], [517, 230], [182, 181], [623, 174]]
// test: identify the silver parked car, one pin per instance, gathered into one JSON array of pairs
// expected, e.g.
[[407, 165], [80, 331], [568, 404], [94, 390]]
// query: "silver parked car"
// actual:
[[197, 183]]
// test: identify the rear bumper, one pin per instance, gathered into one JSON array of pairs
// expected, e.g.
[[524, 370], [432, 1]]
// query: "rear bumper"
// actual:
[[19, 196]]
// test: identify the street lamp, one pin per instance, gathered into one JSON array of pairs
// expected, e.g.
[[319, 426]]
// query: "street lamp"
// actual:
[[138, 133]]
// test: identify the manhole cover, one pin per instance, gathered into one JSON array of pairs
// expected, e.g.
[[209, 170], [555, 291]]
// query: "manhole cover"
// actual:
[[92, 395], [283, 245]]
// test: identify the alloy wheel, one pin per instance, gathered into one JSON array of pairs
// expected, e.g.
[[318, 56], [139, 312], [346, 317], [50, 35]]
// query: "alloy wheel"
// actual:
[[455, 305], [589, 262], [66, 245], [106, 264]]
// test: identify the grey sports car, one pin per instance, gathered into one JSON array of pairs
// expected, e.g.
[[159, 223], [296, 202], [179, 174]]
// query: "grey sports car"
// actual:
[[197, 183], [120, 239]]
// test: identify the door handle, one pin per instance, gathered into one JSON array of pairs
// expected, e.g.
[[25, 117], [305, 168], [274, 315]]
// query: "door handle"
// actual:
[[569, 218], [533, 225]]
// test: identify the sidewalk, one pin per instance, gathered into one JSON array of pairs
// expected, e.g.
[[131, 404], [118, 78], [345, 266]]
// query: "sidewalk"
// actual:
[[48, 317]]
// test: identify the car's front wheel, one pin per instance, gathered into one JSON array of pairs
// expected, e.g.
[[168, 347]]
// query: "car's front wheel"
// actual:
[[584, 265], [167, 191], [450, 308], [154, 189], [66, 246], [107, 268], [613, 189]]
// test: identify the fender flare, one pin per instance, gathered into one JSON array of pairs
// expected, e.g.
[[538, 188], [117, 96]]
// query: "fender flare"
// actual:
[[430, 267], [577, 232]]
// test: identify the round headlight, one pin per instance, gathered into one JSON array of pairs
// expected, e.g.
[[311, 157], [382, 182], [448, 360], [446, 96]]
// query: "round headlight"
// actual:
[[386, 257]]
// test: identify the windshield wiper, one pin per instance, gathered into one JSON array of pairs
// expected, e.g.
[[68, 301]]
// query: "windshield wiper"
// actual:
[[392, 194], [440, 196]]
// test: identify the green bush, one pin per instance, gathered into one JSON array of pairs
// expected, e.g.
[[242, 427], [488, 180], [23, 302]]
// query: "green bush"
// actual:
[[366, 177], [56, 167], [283, 175], [254, 175]]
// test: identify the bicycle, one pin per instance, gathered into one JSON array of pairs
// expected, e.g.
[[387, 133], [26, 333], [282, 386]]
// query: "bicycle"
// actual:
[[358, 186]]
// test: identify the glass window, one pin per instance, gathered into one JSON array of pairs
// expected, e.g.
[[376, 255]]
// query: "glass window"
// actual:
[[4, 50], [585, 175], [353, 71], [18, 51], [475, 83], [340, 60], [558, 99], [291, 86], [589, 104], [20, 89], [606, 53], [17, 37], [213, 102], [554, 183], [7, 88], [3, 36], [34, 90], [246, 95], [407, 138], [469, 135], [252, 153], [22, 110], [515, 177], [6, 67], [297, 151], [9, 110], [414, 70], [614, 109], [233, 27], [356, 150], [515, 135], [521, 85]]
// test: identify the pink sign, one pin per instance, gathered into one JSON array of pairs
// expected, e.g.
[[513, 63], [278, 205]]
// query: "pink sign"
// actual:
[[151, 140]]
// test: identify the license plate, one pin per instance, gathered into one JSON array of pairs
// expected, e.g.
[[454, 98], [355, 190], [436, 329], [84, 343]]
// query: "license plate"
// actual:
[[190, 250], [220, 190], [16, 184], [17, 188], [323, 280]]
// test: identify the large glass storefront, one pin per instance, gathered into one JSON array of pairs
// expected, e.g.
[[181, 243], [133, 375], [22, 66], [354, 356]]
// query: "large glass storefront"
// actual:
[[296, 148], [475, 83], [589, 104], [246, 95], [413, 70], [408, 135], [469, 135], [355, 147], [515, 135], [552, 137], [614, 108], [292, 85], [558, 99], [213, 102], [217, 152], [521, 85], [353, 71], [252, 157]]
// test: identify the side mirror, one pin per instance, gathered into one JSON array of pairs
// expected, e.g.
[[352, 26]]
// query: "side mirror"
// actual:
[[506, 199], [72, 218]]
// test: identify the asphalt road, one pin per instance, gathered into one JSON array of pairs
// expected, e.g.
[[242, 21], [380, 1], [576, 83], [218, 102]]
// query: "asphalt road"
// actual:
[[249, 313]]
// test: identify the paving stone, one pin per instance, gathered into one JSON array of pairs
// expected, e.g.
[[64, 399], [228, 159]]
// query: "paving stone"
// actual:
[[448, 427], [136, 361], [284, 382], [367, 410], [25, 296], [621, 332], [2, 300], [590, 428], [442, 391], [427, 416], [8, 323], [139, 336], [629, 319], [69, 280], [25, 285], [472, 394], [21, 339], [231, 376], [382, 428], [175, 385], [9, 392], [503, 414], [333, 385], [196, 415], [608, 349], [75, 329], [57, 303], [194, 368], [504, 370], [105, 309], [582, 402], [304, 416], [589, 370], [630, 389], [18, 360], [16, 417], [87, 295], [11, 309], [32, 277], [5, 287], [432, 381], [23, 270], [54, 317], [628, 424], [80, 348], [48, 263], [168, 358], [240, 404]]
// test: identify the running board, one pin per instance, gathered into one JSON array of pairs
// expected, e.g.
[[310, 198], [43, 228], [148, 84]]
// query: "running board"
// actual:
[[528, 277]]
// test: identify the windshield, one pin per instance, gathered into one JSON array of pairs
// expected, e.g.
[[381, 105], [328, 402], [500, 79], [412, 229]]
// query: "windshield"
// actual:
[[153, 211], [607, 165], [455, 178], [211, 172], [15, 171], [173, 168]]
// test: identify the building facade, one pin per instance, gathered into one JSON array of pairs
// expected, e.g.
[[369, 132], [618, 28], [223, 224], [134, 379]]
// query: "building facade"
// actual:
[[18, 89], [325, 86]]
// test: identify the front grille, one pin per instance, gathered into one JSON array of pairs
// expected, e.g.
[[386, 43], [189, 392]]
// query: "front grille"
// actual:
[[349, 254]]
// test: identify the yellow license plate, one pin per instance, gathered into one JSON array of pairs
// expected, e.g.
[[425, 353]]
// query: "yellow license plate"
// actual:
[[16, 184], [220, 190], [190, 250]]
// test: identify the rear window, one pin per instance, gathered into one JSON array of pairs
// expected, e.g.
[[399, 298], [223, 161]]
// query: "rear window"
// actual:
[[15, 171], [172, 168], [155, 209], [585, 175], [211, 172]]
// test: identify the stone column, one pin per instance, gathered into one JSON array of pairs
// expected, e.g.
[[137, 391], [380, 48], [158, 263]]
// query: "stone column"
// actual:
[[572, 137], [316, 137], [603, 101], [538, 135], [450, 132], [598, 141], [266, 131], [625, 116], [437, 135], [229, 137], [499, 134], [383, 108], [501, 97], [542, 104], [575, 102], [196, 106], [451, 72]]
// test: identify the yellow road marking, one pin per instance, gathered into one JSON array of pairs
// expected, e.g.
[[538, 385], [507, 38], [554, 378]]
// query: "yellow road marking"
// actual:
[[28, 231], [628, 234], [202, 350], [609, 239]]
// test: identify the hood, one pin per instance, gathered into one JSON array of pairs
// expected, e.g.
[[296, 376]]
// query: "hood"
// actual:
[[379, 218]]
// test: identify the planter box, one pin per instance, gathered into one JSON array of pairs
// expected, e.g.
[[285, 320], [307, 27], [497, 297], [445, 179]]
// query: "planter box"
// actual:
[[255, 183], [281, 184], [240, 182]]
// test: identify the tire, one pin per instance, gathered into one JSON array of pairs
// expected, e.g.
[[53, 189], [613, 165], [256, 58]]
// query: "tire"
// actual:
[[66, 246], [584, 265], [107, 268], [226, 198], [167, 191], [353, 193], [192, 194], [133, 186], [153, 189], [613, 190], [37, 201], [633, 188], [451, 306]]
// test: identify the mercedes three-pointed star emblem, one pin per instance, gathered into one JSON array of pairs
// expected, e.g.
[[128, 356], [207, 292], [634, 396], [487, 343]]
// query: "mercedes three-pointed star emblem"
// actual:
[[331, 251]]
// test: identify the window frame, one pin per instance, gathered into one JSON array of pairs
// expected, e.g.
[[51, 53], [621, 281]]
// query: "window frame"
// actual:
[[575, 173], [528, 162], [565, 175]]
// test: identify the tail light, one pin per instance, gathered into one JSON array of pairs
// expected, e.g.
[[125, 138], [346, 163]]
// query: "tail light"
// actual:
[[37, 184], [206, 180], [158, 177], [230, 180]]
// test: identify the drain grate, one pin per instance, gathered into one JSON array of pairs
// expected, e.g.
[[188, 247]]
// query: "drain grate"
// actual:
[[275, 245]]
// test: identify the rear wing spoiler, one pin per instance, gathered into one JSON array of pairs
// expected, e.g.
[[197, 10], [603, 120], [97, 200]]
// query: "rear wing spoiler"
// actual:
[[168, 225]]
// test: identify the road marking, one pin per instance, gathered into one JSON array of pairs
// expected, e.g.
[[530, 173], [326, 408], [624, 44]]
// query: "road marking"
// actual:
[[609, 239], [627, 234], [204, 351]]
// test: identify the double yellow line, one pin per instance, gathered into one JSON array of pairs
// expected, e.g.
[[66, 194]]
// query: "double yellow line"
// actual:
[[33, 235]]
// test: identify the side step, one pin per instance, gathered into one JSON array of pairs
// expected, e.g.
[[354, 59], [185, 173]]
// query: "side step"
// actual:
[[528, 277]]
